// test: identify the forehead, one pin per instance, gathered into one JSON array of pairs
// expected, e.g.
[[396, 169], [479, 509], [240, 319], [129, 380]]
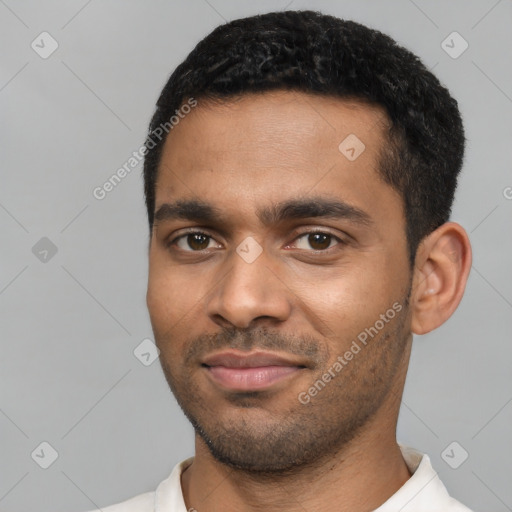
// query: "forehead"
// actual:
[[275, 146], [280, 121]]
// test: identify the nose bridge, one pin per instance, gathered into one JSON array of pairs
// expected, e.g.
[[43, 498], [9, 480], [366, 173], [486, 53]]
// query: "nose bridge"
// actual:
[[249, 289]]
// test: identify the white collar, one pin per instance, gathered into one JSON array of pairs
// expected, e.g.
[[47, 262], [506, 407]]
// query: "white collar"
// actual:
[[423, 492]]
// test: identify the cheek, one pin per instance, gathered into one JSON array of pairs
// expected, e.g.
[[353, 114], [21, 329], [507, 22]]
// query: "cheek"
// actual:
[[350, 299], [168, 299], [164, 306]]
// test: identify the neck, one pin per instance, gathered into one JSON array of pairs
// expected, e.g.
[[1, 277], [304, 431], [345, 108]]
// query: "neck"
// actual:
[[359, 477]]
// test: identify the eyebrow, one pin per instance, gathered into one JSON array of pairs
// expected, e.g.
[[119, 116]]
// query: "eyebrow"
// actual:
[[313, 207]]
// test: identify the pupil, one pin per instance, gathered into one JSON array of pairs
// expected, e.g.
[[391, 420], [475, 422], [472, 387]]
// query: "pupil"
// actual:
[[319, 239], [197, 241]]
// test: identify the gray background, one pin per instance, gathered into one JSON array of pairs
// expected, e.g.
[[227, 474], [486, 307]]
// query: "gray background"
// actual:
[[70, 323]]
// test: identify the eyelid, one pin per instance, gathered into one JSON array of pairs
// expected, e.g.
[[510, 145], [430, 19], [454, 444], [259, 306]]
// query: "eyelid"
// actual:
[[325, 231], [190, 231], [295, 234]]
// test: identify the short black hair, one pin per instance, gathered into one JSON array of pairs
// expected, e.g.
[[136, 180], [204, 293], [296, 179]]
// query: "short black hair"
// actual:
[[311, 52]]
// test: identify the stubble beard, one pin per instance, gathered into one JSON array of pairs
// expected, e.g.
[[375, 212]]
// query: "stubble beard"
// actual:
[[304, 435]]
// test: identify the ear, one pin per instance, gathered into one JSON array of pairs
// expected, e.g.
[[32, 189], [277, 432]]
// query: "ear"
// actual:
[[442, 266]]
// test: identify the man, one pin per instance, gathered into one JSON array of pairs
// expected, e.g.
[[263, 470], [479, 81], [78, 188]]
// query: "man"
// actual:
[[299, 176]]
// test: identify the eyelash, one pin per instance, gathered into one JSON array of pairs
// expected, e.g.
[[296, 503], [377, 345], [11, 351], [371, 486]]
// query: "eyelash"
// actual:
[[299, 235]]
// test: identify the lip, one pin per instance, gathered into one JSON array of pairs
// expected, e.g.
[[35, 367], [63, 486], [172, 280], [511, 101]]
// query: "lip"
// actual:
[[233, 359], [247, 372]]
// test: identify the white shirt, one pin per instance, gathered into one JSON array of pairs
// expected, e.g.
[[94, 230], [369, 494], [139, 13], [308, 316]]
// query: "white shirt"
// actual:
[[423, 492]]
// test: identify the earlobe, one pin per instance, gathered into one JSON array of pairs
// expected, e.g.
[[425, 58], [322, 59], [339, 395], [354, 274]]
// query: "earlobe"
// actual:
[[443, 262]]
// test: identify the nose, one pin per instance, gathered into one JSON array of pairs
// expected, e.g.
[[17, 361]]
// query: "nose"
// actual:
[[250, 292]]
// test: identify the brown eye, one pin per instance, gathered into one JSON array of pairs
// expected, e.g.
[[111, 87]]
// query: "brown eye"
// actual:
[[317, 241], [192, 242], [198, 241]]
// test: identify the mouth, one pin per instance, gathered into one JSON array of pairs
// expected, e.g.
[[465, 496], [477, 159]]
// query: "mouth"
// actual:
[[239, 371]]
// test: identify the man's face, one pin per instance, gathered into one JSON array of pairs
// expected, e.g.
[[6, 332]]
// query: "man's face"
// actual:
[[267, 290]]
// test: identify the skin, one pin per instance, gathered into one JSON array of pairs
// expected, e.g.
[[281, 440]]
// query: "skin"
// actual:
[[300, 298]]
